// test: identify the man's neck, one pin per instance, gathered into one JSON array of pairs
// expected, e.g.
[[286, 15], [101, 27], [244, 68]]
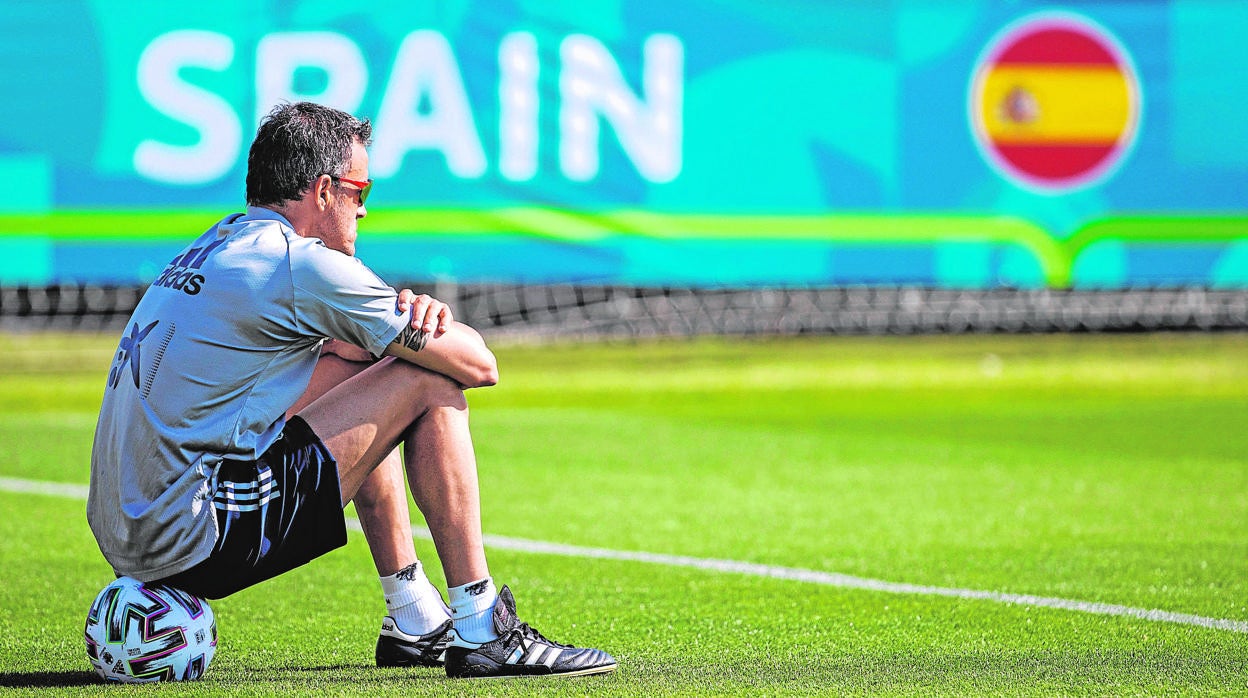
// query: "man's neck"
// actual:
[[290, 211]]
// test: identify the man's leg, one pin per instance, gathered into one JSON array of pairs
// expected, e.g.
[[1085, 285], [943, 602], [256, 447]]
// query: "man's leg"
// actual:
[[364, 418], [381, 502], [360, 421], [414, 630], [393, 401]]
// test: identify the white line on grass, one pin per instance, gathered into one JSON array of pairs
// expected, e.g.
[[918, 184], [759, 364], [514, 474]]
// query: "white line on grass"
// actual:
[[796, 574]]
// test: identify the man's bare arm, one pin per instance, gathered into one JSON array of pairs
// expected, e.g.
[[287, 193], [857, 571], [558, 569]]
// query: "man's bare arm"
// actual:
[[412, 338], [433, 340], [459, 353]]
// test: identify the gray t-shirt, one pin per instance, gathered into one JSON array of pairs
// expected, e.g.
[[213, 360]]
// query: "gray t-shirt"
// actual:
[[222, 343]]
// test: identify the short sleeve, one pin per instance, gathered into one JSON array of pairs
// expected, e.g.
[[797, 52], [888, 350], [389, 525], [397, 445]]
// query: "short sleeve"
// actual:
[[336, 296]]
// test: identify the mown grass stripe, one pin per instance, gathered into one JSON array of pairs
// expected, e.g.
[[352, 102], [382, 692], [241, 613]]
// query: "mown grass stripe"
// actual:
[[833, 579]]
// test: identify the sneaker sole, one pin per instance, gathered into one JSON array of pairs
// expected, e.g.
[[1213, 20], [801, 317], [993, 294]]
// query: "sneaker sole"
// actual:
[[435, 664], [581, 672]]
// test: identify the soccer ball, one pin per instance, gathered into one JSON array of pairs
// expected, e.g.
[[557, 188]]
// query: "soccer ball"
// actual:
[[139, 632]]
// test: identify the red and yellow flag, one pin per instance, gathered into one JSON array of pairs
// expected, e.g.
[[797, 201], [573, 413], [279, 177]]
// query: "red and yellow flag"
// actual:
[[1055, 102]]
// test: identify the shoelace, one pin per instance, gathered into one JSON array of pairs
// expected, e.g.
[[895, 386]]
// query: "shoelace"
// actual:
[[525, 629]]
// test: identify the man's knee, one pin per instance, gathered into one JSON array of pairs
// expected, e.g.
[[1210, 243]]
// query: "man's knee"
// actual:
[[430, 387]]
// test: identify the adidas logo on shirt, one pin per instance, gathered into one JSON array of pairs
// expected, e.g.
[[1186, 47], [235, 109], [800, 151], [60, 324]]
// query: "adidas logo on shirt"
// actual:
[[182, 273]]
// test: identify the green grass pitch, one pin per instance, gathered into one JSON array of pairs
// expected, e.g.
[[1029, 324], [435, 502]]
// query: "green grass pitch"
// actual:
[[1099, 469]]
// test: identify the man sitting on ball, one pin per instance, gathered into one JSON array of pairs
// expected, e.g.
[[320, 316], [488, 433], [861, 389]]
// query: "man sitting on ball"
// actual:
[[231, 437]]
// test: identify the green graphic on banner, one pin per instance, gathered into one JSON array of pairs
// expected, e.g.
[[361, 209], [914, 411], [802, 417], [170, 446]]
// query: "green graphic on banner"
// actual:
[[430, 230]]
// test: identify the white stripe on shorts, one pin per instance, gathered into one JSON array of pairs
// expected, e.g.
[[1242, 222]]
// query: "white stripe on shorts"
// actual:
[[246, 496]]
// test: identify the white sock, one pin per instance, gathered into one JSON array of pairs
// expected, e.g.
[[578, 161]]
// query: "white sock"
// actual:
[[413, 602], [472, 610]]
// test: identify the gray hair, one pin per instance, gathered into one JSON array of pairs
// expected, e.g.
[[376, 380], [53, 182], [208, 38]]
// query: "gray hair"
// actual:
[[295, 144]]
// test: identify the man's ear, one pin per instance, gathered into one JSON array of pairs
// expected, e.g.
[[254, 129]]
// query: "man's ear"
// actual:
[[320, 191]]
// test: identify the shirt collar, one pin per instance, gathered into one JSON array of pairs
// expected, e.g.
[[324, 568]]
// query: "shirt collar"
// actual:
[[260, 213]]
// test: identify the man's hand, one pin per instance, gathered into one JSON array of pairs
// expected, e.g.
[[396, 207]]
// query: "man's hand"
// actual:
[[430, 318], [429, 315], [433, 340]]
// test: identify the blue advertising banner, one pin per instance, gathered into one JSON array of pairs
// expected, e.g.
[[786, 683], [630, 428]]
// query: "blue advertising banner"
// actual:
[[972, 145]]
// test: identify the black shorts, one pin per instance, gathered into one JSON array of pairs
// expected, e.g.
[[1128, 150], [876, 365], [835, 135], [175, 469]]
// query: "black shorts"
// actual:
[[273, 515]]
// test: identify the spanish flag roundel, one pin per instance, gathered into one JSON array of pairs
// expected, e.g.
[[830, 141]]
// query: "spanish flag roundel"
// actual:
[[1055, 102]]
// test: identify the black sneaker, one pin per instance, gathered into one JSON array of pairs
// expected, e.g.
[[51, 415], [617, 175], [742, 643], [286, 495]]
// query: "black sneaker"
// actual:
[[520, 651], [397, 648]]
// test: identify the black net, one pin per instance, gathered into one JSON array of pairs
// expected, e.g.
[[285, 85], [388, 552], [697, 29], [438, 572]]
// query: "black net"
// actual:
[[593, 312]]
